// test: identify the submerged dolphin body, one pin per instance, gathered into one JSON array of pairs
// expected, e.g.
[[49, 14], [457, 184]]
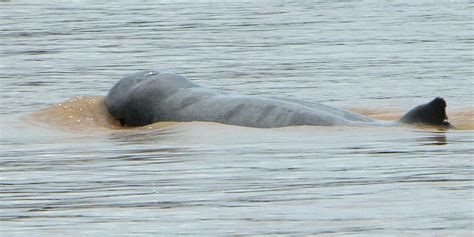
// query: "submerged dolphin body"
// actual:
[[146, 97]]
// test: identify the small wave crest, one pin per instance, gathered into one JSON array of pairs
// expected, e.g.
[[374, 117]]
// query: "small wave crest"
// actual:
[[462, 118], [77, 113]]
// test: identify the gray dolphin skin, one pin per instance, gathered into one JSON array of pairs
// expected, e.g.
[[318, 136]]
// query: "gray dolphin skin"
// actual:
[[147, 97]]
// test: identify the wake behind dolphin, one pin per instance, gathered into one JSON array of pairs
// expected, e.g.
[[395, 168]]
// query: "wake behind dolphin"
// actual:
[[147, 97]]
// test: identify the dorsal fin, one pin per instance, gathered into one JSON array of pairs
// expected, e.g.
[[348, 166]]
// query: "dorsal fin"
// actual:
[[432, 113]]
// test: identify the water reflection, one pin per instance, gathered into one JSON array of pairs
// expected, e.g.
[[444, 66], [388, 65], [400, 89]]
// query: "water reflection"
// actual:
[[433, 138], [144, 135]]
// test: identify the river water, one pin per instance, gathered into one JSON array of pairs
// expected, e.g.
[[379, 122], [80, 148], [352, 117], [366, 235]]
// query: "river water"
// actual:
[[68, 169]]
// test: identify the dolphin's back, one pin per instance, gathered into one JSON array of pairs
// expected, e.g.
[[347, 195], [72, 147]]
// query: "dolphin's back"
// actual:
[[146, 97], [201, 104]]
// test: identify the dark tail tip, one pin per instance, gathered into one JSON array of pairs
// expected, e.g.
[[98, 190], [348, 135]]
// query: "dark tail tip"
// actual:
[[432, 113], [439, 103]]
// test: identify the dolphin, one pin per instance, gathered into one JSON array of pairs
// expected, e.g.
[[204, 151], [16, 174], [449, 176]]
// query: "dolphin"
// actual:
[[147, 97]]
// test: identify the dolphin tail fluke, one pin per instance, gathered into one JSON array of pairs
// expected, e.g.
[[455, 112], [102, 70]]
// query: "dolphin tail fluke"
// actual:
[[432, 113]]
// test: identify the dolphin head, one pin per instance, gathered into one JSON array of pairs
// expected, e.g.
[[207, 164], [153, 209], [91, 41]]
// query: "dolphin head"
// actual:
[[134, 100]]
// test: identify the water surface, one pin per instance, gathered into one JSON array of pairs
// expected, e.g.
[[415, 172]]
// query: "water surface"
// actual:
[[68, 169]]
